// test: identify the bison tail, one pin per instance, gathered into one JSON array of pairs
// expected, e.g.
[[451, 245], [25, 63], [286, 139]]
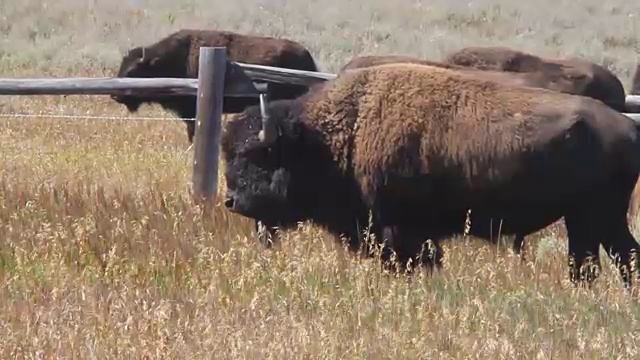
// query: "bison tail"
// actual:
[[633, 155]]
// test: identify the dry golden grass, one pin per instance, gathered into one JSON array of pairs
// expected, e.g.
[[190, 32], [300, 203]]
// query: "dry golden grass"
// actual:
[[104, 255]]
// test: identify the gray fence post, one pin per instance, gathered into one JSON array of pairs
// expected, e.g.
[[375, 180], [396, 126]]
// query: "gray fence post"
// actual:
[[211, 75]]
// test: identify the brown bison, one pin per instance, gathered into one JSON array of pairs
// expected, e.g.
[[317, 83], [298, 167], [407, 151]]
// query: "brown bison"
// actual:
[[561, 81], [589, 79], [557, 81], [177, 56], [417, 146]]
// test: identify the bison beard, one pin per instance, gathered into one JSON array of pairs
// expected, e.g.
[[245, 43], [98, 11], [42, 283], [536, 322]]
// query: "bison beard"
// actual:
[[177, 56], [417, 146]]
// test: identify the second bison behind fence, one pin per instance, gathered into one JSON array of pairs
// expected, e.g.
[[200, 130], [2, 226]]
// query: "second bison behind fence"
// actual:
[[176, 56], [417, 146], [589, 79]]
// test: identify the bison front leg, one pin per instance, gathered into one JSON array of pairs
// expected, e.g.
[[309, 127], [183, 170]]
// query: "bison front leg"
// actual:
[[518, 242], [410, 249], [266, 234], [403, 236], [191, 129]]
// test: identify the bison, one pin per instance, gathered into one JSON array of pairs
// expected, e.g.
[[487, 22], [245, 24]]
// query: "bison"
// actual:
[[566, 82], [416, 146], [177, 56], [590, 79], [562, 81]]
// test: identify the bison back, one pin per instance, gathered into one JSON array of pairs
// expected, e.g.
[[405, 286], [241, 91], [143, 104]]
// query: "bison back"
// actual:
[[471, 140]]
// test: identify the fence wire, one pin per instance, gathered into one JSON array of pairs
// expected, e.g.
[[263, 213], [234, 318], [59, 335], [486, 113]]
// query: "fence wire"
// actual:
[[92, 117]]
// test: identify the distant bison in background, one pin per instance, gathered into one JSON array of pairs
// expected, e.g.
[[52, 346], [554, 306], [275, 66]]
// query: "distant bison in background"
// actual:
[[177, 56], [419, 145], [565, 82], [590, 79], [364, 61]]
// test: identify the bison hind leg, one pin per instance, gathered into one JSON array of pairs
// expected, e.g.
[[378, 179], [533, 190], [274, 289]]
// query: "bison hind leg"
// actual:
[[624, 250], [618, 242], [621, 246], [409, 250], [583, 256], [603, 220]]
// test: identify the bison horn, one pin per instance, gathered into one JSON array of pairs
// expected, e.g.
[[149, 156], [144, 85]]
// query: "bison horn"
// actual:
[[268, 133]]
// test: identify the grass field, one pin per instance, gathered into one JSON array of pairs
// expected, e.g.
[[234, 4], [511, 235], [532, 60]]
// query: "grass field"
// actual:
[[104, 255]]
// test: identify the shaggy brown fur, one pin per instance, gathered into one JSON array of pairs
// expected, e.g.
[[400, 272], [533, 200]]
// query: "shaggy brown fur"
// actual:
[[365, 61], [177, 56], [590, 79], [423, 144], [556, 81], [470, 102]]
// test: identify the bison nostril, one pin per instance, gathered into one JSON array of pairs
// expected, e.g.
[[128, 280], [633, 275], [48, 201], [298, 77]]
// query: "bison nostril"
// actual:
[[228, 202]]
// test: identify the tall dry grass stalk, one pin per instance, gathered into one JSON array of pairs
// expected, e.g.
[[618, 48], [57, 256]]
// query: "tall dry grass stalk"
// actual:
[[104, 255]]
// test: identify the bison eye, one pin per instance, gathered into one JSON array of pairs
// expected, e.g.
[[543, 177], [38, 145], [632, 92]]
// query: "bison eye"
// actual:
[[263, 157]]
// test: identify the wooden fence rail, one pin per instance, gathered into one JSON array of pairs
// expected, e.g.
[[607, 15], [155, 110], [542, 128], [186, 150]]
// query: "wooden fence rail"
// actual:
[[217, 78], [258, 74]]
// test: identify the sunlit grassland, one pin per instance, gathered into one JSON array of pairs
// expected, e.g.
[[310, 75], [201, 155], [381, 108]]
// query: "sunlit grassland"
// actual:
[[103, 253]]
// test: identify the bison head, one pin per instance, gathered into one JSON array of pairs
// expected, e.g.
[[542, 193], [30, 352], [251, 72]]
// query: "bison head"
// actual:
[[260, 163], [141, 63]]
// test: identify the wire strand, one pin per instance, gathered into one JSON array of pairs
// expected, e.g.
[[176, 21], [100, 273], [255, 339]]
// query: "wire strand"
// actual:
[[93, 117]]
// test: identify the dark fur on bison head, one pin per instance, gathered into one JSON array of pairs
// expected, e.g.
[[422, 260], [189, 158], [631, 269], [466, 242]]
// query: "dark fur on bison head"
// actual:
[[177, 56], [280, 172], [141, 62]]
